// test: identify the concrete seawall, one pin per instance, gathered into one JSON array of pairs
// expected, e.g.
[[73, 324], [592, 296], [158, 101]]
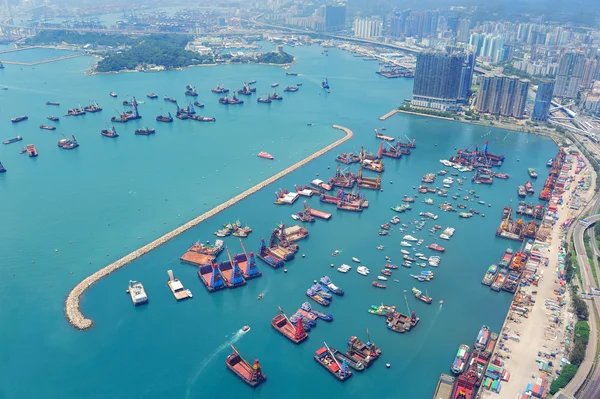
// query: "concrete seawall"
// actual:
[[72, 303], [389, 114]]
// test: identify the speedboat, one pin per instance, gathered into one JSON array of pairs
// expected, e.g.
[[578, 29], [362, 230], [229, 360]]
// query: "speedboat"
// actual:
[[246, 328], [381, 278], [405, 252], [355, 260], [405, 244], [335, 253], [295, 217]]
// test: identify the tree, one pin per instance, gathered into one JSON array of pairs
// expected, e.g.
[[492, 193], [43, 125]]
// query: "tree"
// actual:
[[580, 308], [577, 353]]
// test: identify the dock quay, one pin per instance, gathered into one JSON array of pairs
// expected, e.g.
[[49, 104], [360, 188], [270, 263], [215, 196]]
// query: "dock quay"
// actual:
[[72, 303], [177, 288], [389, 114], [443, 390]]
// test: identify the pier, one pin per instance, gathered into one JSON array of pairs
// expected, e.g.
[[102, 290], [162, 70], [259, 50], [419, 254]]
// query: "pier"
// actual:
[[72, 303], [389, 114]]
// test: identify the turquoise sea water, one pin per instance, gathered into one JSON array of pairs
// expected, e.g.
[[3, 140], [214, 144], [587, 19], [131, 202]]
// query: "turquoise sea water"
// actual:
[[68, 213]]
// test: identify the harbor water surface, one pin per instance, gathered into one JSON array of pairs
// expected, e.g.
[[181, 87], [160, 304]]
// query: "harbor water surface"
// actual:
[[68, 213]]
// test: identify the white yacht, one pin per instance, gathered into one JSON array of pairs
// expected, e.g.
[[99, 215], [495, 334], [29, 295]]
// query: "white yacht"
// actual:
[[381, 278], [408, 237], [355, 260], [363, 270], [405, 244]]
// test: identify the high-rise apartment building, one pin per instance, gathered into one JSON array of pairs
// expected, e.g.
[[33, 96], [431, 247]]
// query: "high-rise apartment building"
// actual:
[[543, 98], [335, 17], [466, 77], [463, 30], [437, 80], [367, 28], [502, 95], [569, 75], [589, 73]]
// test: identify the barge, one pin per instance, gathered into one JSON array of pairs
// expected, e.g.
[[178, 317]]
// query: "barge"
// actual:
[[294, 333], [366, 353], [177, 288], [13, 140], [326, 359], [19, 119], [444, 387], [137, 293], [247, 263], [127, 116], [251, 374], [202, 254], [367, 182]]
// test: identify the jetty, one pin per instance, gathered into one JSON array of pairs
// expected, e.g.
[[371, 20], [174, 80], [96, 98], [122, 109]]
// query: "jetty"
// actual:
[[389, 114], [72, 303]]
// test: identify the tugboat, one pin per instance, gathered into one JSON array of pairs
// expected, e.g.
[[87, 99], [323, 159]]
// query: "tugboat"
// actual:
[[230, 101], [169, 99], [151, 96], [67, 144], [329, 362], [137, 293], [45, 127], [251, 374], [190, 91], [291, 89], [112, 133], [93, 107], [145, 131], [52, 118], [266, 100], [219, 89], [19, 119], [13, 140], [52, 103], [31, 150], [164, 118], [246, 90], [113, 94]]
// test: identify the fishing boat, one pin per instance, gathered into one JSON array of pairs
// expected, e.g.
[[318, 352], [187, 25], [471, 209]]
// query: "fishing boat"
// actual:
[[219, 89], [461, 359], [145, 131], [323, 316], [113, 94], [251, 374], [436, 247], [246, 90], [165, 118], [284, 326], [276, 96], [264, 155], [46, 127], [532, 173], [151, 96], [13, 140], [317, 296], [356, 365], [112, 132], [378, 285], [52, 118], [490, 275], [326, 359], [266, 100], [291, 89], [521, 191], [386, 272], [19, 119], [68, 144], [52, 103], [230, 101], [137, 292], [529, 188], [391, 266]]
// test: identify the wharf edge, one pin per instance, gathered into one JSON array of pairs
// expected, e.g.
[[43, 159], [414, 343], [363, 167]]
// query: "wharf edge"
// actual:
[[72, 302]]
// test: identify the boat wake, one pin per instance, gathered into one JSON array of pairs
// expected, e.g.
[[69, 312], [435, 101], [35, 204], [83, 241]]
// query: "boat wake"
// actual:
[[234, 338]]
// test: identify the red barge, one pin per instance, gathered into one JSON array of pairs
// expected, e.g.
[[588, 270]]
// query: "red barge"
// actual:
[[202, 254], [251, 374], [294, 333]]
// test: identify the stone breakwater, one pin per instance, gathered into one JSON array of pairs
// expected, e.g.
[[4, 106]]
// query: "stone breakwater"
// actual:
[[72, 303]]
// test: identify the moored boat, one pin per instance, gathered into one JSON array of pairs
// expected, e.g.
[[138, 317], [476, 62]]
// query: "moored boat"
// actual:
[[532, 173], [52, 103], [294, 333], [461, 359], [19, 119], [490, 275], [112, 132], [137, 292], [419, 295], [329, 362], [46, 127], [325, 280], [68, 144], [151, 96], [219, 89], [264, 155], [378, 285], [356, 365], [52, 118], [12, 140], [165, 118], [31, 150], [145, 131]]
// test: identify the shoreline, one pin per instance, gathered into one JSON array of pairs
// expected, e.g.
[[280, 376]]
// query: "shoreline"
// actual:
[[73, 301], [552, 135]]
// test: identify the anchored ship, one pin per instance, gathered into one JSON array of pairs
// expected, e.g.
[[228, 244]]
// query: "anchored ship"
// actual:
[[137, 293], [127, 116], [112, 132], [19, 119], [13, 140], [251, 374]]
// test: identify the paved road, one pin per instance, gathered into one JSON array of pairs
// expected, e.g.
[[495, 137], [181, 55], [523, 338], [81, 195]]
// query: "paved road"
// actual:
[[592, 388]]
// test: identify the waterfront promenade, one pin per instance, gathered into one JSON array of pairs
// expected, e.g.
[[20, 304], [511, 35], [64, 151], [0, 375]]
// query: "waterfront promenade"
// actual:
[[72, 303]]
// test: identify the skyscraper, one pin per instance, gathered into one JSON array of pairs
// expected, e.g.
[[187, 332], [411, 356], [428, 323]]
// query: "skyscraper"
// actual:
[[335, 17], [437, 80], [463, 30], [589, 73], [569, 75], [466, 77], [502, 95], [543, 98]]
